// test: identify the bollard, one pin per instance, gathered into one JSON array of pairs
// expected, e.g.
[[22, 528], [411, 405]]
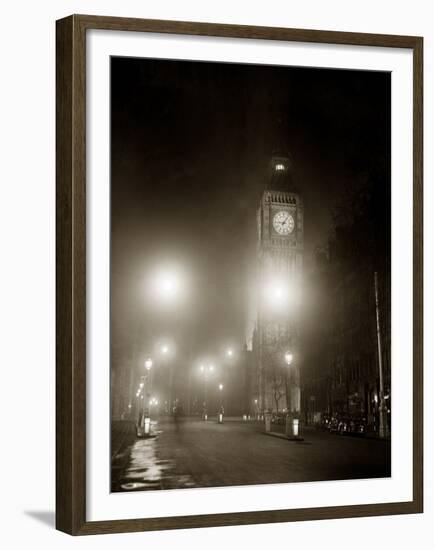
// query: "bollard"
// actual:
[[147, 425], [292, 427], [143, 427], [268, 422]]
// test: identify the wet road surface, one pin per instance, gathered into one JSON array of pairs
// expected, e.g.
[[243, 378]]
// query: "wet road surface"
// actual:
[[193, 453]]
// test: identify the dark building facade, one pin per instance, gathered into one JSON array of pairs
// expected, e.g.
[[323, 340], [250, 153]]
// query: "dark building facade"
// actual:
[[341, 373]]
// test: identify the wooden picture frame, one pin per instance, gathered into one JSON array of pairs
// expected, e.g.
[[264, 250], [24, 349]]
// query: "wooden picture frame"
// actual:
[[71, 274]]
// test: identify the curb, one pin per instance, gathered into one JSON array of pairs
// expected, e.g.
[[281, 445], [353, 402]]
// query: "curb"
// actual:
[[284, 436]]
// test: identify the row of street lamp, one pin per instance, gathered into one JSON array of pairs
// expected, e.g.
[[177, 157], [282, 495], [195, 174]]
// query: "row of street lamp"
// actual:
[[205, 370], [168, 286]]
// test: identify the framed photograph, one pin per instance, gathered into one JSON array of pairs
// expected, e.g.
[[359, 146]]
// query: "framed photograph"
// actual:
[[239, 275]]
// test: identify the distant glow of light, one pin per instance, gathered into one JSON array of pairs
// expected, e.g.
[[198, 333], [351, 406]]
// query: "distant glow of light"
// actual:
[[164, 349], [281, 292], [288, 357], [141, 385], [167, 285], [229, 352], [220, 387], [148, 364], [206, 369], [280, 167], [276, 293]]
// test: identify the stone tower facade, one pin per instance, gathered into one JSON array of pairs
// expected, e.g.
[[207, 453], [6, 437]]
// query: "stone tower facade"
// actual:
[[279, 273]]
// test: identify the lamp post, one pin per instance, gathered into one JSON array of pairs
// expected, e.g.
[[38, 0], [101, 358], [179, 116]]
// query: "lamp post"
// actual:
[[383, 428], [292, 427], [144, 428], [205, 370], [153, 401], [167, 353], [221, 411], [148, 367], [288, 360], [139, 404]]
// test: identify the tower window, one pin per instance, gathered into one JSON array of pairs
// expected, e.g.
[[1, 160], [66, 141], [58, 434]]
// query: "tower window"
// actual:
[[280, 167]]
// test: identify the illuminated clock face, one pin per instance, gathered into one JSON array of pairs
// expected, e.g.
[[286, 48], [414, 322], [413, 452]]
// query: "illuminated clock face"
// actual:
[[283, 223]]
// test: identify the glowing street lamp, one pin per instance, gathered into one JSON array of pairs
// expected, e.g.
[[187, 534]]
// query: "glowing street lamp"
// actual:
[[166, 350], [153, 401], [292, 428], [281, 294], [148, 364], [220, 414], [276, 294], [229, 352], [205, 370], [166, 286], [288, 358], [143, 427]]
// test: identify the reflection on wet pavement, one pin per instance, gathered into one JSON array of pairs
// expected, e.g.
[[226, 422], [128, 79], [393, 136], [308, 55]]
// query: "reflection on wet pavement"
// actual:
[[193, 453], [146, 471]]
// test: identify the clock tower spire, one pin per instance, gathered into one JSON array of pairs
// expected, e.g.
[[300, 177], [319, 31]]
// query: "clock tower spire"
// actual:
[[279, 271]]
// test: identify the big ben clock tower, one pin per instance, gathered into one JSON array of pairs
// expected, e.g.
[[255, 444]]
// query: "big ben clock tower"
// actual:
[[279, 272]]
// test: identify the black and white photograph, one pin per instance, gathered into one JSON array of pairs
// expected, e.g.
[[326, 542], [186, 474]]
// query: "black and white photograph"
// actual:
[[250, 274]]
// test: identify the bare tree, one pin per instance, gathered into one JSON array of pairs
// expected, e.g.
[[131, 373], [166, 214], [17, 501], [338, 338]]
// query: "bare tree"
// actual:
[[276, 375]]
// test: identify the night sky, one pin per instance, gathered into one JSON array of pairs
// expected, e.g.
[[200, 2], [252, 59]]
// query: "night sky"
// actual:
[[191, 146]]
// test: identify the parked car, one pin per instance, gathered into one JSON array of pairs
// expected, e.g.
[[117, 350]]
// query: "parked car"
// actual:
[[334, 423], [347, 425], [324, 422], [353, 425]]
